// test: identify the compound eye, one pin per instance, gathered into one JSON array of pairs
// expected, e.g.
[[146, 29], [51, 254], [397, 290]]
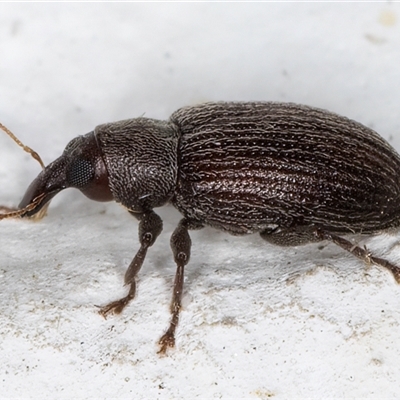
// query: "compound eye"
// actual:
[[80, 173]]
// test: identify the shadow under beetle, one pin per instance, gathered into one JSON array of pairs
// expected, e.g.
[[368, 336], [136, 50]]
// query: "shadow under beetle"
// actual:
[[295, 174]]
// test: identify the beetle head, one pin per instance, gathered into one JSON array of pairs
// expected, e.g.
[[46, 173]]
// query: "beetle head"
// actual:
[[81, 166]]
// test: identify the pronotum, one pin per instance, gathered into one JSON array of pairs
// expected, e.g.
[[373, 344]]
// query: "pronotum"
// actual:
[[292, 173]]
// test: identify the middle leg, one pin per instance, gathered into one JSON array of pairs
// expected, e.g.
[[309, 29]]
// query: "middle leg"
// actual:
[[181, 245]]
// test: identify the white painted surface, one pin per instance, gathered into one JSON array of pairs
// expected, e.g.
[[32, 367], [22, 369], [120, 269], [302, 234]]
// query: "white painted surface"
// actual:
[[259, 321]]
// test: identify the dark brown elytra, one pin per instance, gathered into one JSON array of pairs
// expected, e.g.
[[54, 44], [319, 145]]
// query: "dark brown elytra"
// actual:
[[292, 173]]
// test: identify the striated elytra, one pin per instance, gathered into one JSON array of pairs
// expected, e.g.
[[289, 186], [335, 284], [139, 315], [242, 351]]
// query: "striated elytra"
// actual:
[[295, 174]]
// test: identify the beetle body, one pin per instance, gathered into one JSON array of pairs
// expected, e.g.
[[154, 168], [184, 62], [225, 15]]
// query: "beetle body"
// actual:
[[295, 174], [251, 167]]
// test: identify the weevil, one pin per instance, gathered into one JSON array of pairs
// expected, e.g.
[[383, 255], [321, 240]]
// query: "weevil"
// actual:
[[292, 173]]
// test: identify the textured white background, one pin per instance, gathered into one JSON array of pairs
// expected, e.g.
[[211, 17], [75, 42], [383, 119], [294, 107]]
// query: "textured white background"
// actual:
[[258, 321]]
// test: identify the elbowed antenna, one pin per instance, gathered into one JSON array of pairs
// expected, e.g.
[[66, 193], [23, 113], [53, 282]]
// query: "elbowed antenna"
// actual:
[[14, 212], [25, 148], [39, 193], [21, 211]]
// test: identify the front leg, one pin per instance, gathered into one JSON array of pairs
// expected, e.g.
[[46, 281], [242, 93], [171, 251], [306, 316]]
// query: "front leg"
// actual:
[[150, 226], [180, 244]]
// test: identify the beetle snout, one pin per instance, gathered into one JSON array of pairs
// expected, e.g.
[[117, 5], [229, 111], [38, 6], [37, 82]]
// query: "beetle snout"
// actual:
[[47, 184], [81, 166]]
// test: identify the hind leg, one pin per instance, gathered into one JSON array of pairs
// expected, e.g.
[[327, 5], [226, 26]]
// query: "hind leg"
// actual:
[[297, 237], [359, 252]]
